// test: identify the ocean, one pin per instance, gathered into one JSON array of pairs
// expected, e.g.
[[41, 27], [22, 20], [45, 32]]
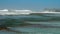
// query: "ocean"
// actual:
[[30, 24]]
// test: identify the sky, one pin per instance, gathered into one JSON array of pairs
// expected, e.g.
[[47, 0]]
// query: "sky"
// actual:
[[29, 4]]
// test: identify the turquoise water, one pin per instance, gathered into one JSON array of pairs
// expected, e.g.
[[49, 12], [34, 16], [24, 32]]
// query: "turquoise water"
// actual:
[[40, 24], [37, 30], [53, 23]]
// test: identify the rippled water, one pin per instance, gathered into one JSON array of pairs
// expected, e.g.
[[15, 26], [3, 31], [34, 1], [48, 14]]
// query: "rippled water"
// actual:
[[38, 25]]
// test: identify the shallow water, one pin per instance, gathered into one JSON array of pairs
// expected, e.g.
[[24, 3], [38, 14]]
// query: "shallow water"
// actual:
[[37, 30], [52, 23], [7, 32], [41, 27]]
